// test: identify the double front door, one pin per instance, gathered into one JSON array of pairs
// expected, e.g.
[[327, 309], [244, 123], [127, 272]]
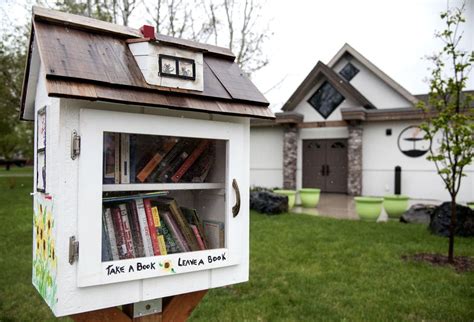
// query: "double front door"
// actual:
[[325, 165]]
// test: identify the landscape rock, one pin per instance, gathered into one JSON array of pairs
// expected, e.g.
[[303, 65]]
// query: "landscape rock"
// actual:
[[418, 214], [268, 202], [441, 219]]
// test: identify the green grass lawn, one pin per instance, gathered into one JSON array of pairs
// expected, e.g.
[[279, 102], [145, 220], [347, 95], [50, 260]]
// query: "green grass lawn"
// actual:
[[14, 170], [302, 268]]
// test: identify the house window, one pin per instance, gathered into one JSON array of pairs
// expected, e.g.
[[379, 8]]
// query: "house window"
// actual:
[[348, 72], [326, 99], [178, 67]]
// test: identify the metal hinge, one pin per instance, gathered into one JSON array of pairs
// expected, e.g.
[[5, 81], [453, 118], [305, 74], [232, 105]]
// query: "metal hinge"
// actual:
[[73, 249], [75, 145]]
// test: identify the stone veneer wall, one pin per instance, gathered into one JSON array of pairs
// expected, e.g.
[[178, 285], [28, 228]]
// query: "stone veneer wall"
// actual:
[[354, 155], [290, 149]]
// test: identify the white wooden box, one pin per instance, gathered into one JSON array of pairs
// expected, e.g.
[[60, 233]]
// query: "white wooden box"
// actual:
[[71, 206], [89, 81]]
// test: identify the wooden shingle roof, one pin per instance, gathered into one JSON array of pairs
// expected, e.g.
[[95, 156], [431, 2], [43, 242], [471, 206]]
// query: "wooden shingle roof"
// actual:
[[343, 86], [84, 58]]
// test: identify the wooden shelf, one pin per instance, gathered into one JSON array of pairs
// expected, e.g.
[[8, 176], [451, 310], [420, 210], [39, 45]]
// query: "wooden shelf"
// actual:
[[161, 186]]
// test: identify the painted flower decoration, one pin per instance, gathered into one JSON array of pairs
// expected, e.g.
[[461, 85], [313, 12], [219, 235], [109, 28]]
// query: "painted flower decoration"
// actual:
[[52, 254], [40, 237], [167, 266], [49, 223], [44, 246], [45, 258]]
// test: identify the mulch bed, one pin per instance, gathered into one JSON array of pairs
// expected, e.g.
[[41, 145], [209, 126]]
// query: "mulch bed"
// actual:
[[461, 264]]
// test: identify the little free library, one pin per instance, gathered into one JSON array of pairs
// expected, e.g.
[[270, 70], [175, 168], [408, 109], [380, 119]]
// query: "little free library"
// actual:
[[141, 163]]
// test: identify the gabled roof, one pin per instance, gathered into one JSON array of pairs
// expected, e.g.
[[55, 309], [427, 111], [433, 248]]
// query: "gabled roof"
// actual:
[[322, 71], [348, 50], [84, 58]]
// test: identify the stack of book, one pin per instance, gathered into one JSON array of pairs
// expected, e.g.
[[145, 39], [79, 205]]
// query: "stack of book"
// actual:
[[151, 225], [133, 158]]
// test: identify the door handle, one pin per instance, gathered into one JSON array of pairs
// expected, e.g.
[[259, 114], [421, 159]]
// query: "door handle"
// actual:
[[323, 172], [236, 207], [327, 169]]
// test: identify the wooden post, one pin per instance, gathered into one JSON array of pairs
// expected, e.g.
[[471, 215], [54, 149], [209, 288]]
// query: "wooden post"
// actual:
[[106, 315], [175, 309], [181, 306]]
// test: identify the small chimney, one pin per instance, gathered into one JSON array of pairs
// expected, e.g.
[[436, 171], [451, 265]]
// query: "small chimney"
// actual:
[[148, 32]]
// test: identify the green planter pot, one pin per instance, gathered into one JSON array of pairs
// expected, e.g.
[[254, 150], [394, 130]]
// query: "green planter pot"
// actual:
[[368, 208], [291, 194], [309, 197], [471, 205], [395, 205]]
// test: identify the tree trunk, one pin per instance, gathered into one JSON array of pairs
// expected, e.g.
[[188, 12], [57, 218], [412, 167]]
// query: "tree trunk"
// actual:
[[89, 8], [7, 166], [451, 230]]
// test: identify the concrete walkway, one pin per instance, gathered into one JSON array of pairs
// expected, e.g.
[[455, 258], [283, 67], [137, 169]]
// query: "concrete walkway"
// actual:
[[343, 207]]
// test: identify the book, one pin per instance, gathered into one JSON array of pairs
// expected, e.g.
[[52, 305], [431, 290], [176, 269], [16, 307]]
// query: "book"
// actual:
[[175, 232], [124, 158], [119, 233], [170, 243], [198, 237], [180, 221], [192, 218], [135, 226], [198, 173], [144, 230], [151, 227], [184, 149], [159, 236], [190, 160], [215, 233], [167, 160], [134, 197], [106, 249], [144, 148], [133, 157], [127, 231], [162, 244], [117, 157], [111, 233], [156, 159], [109, 158]]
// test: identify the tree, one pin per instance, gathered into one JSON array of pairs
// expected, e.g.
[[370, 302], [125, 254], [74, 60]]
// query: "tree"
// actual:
[[97, 9], [233, 24], [236, 25], [16, 137], [243, 36], [450, 123], [116, 11]]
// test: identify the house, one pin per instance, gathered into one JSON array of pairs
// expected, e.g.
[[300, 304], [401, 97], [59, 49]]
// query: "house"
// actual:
[[344, 130]]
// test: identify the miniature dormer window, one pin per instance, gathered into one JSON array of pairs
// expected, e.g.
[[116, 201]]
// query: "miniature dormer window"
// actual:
[[170, 66], [326, 99], [348, 72]]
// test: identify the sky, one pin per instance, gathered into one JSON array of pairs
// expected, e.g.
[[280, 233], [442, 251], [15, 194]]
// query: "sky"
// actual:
[[395, 35]]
